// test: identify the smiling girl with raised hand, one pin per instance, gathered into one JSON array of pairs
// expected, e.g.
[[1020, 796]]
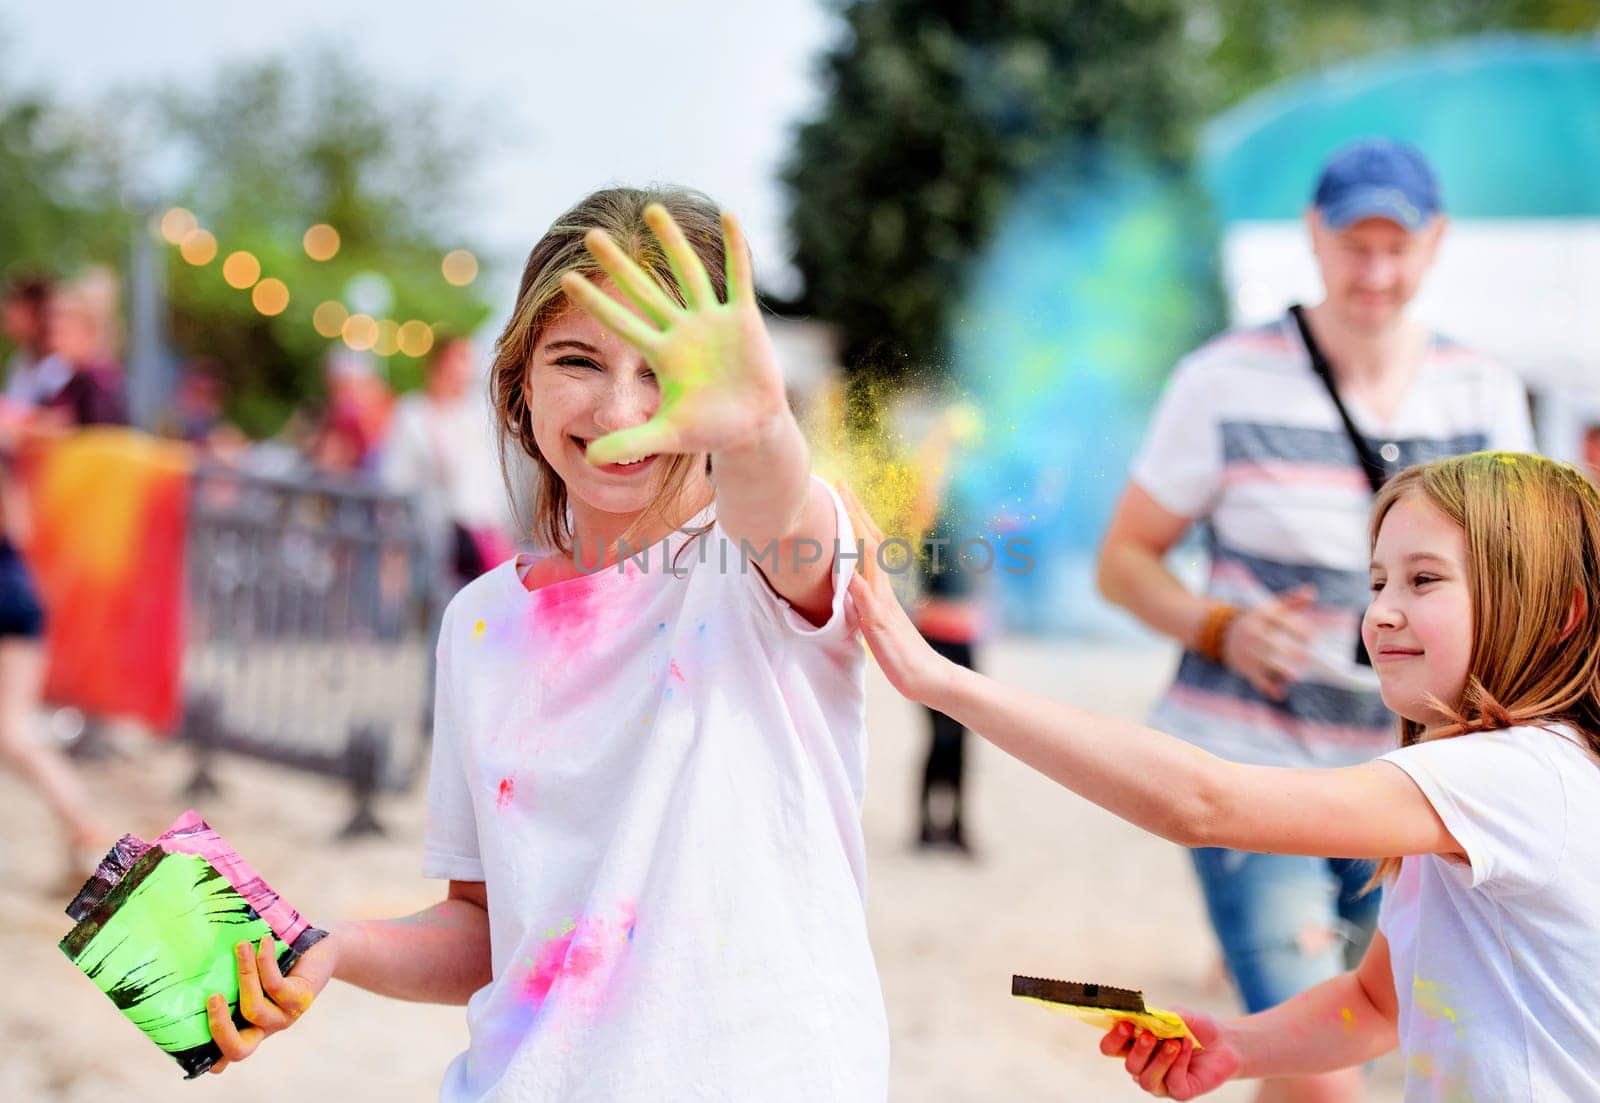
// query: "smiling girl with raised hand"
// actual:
[[648, 757], [1486, 637]]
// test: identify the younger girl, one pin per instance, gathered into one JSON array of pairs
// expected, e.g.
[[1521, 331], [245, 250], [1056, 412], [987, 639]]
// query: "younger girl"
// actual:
[[1484, 631], [648, 752]]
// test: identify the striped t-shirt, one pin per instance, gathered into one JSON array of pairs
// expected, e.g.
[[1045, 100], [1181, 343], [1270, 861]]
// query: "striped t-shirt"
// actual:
[[1247, 440]]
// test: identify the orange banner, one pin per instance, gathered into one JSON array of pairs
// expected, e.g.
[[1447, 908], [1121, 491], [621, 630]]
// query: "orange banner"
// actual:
[[110, 508]]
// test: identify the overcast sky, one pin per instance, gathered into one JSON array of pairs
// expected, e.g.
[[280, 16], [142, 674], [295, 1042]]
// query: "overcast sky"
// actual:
[[574, 96]]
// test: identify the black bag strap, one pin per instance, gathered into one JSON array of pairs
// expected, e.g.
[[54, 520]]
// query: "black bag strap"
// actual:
[[1377, 474]]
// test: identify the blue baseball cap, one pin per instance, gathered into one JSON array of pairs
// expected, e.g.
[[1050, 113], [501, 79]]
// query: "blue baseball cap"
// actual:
[[1377, 178]]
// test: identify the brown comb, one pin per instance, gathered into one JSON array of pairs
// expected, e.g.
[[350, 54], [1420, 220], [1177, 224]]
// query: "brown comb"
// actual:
[[1078, 994]]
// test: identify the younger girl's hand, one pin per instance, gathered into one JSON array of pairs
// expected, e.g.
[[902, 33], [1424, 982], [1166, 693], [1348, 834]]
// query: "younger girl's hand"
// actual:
[[268, 999], [912, 667], [721, 389], [1174, 1068]]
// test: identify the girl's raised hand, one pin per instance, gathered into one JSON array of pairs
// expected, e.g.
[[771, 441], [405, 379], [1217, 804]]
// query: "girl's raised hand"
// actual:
[[720, 384], [1174, 1069], [912, 667]]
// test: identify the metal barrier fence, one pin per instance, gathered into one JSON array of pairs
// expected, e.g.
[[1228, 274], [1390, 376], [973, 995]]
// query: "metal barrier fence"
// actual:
[[312, 611]]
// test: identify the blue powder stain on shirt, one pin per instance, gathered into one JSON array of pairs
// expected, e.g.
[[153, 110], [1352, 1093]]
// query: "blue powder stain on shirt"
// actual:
[[662, 627]]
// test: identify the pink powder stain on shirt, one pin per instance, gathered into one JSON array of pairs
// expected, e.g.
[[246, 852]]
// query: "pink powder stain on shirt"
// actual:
[[676, 673], [572, 617], [578, 620], [507, 792], [582, 959]]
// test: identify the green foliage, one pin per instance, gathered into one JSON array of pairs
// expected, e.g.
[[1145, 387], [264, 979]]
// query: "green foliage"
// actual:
[[934, 113], [1242, 46], [273, 149], [60, 205], [263, 152]]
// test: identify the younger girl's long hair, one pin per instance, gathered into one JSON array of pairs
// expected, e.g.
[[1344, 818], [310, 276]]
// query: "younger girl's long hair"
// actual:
[[1533, 542]]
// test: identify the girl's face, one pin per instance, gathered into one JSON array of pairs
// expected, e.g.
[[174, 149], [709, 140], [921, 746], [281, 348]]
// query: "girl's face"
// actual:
[[582, 383], [1418, 628]]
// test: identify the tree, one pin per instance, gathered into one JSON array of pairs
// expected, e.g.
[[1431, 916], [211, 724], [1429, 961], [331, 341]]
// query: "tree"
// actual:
[[62, 204], [933, 114], [275, 148], [1242, 46]]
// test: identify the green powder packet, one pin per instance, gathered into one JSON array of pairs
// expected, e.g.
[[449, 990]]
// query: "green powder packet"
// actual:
[[160, 942]]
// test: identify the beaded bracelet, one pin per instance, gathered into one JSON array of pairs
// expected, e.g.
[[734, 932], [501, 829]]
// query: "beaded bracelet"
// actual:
[[1215, 627]]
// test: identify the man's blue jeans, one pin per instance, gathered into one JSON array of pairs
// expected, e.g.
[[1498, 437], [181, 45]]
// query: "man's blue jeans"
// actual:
[[1286, 922]]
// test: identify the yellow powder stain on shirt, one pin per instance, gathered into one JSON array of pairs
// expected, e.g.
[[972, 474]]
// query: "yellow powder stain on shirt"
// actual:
[[1427, 995], [1422, 1065], [477, 630]]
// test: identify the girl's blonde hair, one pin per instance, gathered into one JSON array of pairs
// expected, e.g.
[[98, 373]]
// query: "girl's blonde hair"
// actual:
[[540, 300], [1533, 540]]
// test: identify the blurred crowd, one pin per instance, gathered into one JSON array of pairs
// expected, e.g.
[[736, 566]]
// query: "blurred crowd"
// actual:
[[435, 445], [65, 374]]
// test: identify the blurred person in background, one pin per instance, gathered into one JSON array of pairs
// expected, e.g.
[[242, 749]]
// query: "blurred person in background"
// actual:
[[353, 424], [34, 375], [441, 453], [38, 762], [949, 617], [1250, 442], [31, 373], [82, 337], [196, 414], [1591, 451]]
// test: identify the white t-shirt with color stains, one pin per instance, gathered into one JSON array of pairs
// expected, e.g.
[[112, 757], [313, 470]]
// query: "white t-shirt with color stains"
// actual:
[[658, 776], [1496, 960]]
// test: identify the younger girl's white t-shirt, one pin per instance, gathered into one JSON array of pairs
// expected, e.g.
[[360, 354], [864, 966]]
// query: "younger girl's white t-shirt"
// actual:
[[1496, 960], [657, 772]]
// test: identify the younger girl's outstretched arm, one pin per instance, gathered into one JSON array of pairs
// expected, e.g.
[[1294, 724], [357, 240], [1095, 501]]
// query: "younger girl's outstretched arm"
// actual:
[[1151, 779], [1340, 1023], [721, 393]]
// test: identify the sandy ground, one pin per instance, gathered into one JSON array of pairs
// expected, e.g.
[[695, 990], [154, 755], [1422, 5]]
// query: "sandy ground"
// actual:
[[1059, 889]]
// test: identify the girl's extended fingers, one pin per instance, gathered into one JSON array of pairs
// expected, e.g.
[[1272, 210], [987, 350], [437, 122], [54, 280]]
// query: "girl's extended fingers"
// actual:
[[1139, 1055], [253, 1004], [1116, 1040], [234, 1043], [686, 266], [294, 997], [861, 592], [741, 278], [1179, 1072], [634, 281], [610, 313], [858, 513], [220, 1064], [1154, 1077], [852, 509], [867, 567]]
